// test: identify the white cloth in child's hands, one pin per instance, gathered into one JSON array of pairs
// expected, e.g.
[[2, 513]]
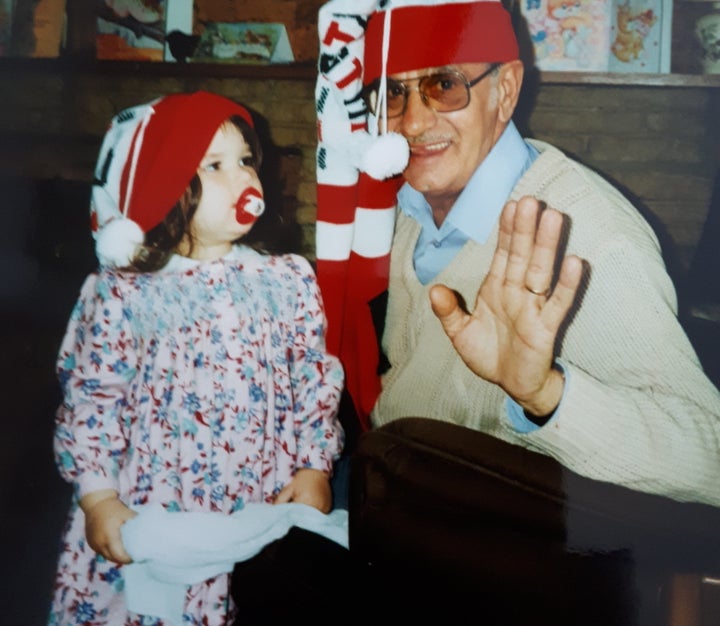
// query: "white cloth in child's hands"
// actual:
[[171, 550]]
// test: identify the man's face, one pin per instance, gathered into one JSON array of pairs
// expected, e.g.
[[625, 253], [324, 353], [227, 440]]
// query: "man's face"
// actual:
[[446, 148]]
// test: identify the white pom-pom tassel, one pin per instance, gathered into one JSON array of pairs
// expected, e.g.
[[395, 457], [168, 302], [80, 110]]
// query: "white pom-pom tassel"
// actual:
[[117, 242], [385, 156]]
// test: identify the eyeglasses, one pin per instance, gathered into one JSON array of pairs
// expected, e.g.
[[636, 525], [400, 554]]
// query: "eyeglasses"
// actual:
[[442, 92]]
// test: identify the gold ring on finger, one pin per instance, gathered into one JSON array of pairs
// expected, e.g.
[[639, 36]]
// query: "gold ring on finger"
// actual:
[[545, 293]]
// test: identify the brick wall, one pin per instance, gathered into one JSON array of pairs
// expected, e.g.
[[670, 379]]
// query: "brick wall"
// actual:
[[659, 144]]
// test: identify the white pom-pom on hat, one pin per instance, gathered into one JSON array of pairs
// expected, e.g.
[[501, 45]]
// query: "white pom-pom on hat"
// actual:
[[385, 156], [117, 242]]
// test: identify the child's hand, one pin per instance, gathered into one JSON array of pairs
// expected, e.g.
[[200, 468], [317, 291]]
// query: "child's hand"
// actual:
[[308, 486], [104, 515]]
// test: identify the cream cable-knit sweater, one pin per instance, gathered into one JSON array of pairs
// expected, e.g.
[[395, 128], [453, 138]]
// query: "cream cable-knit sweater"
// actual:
[[638, 410]]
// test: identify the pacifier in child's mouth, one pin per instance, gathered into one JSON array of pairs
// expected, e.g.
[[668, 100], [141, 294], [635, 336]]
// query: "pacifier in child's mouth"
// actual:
[[250, 206]]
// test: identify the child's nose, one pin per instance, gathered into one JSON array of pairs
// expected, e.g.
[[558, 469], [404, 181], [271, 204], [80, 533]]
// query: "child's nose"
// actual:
[[243, 174]]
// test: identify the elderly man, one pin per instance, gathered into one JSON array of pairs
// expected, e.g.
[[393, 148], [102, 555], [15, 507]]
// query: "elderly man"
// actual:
[[571, 347]]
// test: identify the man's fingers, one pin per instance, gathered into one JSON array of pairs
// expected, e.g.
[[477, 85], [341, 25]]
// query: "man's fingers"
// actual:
[[539, 273], [502, 250], [522, 243], [446, 307], [442, 300], [564, 293]]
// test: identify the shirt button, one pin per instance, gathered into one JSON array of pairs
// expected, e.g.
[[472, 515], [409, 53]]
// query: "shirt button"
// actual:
[[437, 243]]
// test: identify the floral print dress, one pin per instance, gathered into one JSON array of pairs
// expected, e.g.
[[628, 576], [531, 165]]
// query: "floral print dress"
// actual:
[[201, 387]]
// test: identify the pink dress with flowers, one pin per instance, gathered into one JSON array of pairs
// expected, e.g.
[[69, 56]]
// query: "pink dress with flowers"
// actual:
[[201, 387]]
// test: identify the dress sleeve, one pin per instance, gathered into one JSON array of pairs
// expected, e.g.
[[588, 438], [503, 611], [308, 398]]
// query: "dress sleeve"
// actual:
[[95, 367], [317, 378]]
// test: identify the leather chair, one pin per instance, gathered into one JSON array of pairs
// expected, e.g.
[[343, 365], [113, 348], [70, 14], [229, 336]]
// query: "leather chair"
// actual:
[[456, 526]]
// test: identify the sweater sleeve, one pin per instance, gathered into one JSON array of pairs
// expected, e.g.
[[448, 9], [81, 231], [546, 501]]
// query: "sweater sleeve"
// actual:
[[95, 366], [639, 410], [317, 379]]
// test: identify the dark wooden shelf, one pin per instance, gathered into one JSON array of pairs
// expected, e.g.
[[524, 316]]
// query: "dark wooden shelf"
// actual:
[[616, 78], [70, 65], [308, 71], [280, 71]]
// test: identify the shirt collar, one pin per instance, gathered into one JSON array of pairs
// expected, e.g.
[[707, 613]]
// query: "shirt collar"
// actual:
[[478, 206], [183, 263]]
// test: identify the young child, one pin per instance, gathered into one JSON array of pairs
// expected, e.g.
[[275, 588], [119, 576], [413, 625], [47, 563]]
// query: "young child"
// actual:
[[193, 368]]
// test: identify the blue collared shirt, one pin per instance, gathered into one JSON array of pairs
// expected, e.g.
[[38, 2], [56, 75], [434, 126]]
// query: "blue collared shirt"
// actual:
[[475, 212]]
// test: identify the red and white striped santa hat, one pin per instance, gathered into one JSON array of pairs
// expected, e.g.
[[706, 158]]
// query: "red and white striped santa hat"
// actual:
[[148, 157], [359, 166]]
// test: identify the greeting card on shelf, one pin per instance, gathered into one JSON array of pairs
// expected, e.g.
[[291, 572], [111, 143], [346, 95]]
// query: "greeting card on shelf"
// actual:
[[641, 36], [569, 36], [244, 42], [600, 35]]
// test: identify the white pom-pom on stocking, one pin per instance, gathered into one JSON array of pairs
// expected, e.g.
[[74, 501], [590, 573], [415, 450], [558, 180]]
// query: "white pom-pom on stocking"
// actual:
[[379, 156], [117, 242], [385, 156]]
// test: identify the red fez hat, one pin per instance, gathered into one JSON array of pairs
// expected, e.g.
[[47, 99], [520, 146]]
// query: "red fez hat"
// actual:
[[438, 34]]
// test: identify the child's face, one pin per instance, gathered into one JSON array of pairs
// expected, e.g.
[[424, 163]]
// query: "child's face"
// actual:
[[227, 178]]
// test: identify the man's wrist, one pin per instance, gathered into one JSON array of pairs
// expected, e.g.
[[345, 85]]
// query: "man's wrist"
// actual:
[[543, 408]]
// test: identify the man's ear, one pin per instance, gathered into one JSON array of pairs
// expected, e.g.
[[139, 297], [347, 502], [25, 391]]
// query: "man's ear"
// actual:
[[509, 85]]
